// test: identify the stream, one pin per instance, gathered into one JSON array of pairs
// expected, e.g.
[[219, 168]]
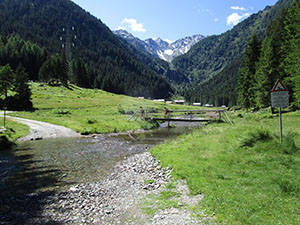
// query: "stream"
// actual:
[[56, 164]]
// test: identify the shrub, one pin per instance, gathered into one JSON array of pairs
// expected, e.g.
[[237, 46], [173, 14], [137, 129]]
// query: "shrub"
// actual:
[[258, 135]]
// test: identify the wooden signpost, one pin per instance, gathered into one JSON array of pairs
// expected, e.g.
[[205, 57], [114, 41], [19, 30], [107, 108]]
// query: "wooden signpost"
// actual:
[[280, 99]]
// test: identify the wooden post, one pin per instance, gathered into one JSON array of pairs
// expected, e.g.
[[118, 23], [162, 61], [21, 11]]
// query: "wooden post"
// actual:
[[228, 118], [133, 114]]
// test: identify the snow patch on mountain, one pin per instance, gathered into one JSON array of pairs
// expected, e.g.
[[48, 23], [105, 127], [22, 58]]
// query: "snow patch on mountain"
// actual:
[[164, 49]]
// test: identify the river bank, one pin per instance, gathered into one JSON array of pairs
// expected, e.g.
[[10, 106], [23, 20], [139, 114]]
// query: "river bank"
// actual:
[[116, 199]]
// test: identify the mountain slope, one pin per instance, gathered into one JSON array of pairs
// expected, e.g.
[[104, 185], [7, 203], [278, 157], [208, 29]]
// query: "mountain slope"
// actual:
[[110, 64], [152, 62], [160, 48], [211, 55]]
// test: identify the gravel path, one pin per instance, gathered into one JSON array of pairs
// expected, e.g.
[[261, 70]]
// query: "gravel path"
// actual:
[[40, 130]]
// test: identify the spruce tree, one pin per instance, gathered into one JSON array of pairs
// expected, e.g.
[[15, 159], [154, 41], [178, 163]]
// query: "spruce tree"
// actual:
[[291, 47], [247, 82], [269, 66], [7, 77], [21, 87]]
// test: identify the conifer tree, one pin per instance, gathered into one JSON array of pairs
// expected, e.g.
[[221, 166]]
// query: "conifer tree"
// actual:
[[269, 66], [21, 87], [291, 46], [247, 83], [7, 77]]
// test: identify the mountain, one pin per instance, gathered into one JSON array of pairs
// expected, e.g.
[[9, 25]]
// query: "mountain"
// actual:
[[159, 48], [152, 62], [214, 61], [108, 62]]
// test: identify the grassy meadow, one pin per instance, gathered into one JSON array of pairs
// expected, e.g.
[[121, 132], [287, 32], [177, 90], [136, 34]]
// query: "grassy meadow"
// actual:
[[245, 174], [89, 111]]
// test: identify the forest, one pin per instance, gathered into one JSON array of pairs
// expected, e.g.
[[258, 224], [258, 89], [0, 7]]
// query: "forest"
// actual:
[[58, 42], [276, 57], [213, 63]]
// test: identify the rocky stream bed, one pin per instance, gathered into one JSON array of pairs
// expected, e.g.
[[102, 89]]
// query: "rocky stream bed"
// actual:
[[116, 199]]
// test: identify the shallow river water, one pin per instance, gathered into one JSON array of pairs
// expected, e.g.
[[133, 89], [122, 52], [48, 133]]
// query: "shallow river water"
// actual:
[[56, 164]]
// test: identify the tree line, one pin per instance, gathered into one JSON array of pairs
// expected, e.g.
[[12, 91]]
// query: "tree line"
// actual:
[[99, 59], [14, 90], [276, 57]]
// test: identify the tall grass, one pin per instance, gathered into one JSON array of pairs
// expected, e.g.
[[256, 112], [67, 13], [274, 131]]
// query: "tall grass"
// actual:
[[246, 175]]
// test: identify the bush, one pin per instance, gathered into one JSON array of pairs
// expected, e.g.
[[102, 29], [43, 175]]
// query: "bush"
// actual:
[[91, 121], [258, 135]]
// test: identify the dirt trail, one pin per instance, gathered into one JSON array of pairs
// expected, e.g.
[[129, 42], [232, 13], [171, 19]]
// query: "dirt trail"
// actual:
[[40, 130]]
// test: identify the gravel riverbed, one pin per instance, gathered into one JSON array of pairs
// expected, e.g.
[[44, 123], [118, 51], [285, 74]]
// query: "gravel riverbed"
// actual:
[[116, 199]]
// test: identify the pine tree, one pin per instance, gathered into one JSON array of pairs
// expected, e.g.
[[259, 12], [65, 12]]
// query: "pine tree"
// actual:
[[7, 77], [269, 66], [80, 74], [21, 87], [247, 83], [291, 46]]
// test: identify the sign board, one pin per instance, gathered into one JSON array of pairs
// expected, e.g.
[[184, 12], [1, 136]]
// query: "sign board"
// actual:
[[279, 95]]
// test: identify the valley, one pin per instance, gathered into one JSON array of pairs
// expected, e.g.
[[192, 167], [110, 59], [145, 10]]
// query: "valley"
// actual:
[[107, 128]]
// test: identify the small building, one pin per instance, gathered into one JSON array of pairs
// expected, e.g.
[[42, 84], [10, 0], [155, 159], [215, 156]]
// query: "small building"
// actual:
[[158, 100], [179, 102], [169, 102], [197, 104]]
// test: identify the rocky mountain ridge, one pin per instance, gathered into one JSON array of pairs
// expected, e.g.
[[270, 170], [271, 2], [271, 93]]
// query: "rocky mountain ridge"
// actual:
[[156, 47]]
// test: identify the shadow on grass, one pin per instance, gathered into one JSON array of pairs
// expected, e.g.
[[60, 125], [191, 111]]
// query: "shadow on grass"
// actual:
[[25, 189]]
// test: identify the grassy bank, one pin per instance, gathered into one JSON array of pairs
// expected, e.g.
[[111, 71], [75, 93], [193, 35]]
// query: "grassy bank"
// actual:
[[247, 177], [88, 110], [13, 131]]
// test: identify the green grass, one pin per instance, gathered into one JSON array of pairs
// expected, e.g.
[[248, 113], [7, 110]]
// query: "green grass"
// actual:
[[88, 110], [247, 177], [161, 201], [13, 131]]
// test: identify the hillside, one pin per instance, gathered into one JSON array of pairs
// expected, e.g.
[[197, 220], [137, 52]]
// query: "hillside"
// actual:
[[89, 110], [212, 54], [212, 64], [151, 61], [108, 62]]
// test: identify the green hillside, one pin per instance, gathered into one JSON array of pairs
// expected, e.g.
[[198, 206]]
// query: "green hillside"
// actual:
[[107, 63], [89, 111], [214, 61]]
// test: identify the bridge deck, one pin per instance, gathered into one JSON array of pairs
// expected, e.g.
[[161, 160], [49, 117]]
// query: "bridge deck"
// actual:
[[179, 119]]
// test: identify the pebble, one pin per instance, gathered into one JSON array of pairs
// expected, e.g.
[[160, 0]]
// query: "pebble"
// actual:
[[113, 200]]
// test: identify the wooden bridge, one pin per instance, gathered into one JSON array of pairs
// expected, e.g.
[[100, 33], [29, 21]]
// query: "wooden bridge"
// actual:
[[199, 115], [179, 119]]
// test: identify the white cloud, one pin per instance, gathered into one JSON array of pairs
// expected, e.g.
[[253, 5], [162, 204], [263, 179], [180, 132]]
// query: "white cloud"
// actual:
[[132, 23], [216, 19], [235, 18], [238, 8]]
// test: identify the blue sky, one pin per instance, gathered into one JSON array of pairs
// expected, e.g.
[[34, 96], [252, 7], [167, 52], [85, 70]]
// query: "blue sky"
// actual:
[[172, 19]]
